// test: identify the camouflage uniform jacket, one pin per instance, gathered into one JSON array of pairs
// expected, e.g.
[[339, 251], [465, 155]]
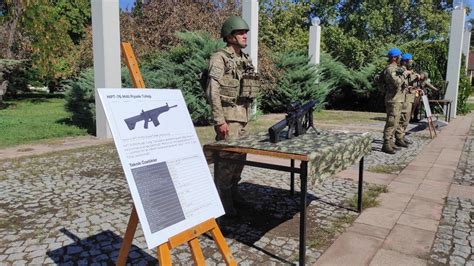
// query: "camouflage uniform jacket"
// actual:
[[410, 82], [226, 69], [394, 82]]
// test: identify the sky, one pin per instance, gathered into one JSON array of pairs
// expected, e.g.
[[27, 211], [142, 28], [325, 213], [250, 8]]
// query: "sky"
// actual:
[[128, 4], [470, 3]]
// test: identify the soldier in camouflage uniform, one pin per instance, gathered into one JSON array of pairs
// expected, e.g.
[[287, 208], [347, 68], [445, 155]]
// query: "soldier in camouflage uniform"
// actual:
[[231, 87], [394, 80], [422, 84], [406, 63]]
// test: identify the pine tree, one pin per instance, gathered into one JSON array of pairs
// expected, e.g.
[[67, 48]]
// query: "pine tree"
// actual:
[[80, 100], [297, 80], [181, 68]]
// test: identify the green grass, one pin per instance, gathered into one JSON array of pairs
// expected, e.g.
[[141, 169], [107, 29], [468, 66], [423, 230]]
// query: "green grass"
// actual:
[[32, 120], [207, 134], [39, 118], [369, 197], [347, 117], [470, 106], [386, 169], [328, 117]]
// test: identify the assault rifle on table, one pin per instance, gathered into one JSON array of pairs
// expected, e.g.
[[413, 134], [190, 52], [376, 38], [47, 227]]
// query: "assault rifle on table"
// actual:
[[147, 116], [299, 118]]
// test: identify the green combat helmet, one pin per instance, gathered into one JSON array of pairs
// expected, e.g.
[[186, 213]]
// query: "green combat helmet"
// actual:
[[232, 24]]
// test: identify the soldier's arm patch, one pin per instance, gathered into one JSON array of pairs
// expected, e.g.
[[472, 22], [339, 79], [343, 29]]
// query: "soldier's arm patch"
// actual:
[[216, 72]]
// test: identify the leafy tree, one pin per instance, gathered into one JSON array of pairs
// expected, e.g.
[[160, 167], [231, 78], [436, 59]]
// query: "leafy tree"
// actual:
[[430, 56], [54, 28], [284, 24], [354, 31], [52, 50], [12, 12], [152, 25]]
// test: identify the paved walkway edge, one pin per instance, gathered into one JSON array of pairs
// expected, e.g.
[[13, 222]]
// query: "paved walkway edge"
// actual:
[[52, 145], [402, 229]]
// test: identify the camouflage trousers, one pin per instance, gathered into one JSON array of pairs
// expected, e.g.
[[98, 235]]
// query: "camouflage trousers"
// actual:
[[227, 175], [404, 120], [393, 110]]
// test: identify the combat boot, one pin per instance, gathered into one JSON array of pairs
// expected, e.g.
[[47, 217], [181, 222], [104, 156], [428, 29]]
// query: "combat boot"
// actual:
[[388, 149], [395, 148], [401, 143], [407, 141]]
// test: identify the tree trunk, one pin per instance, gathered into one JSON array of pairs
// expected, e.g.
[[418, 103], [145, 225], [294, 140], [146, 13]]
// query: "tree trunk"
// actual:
[[13, 27], [11, 37]]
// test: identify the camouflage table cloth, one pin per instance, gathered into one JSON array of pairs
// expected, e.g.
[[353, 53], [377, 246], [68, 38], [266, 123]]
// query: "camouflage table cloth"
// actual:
[[327, 152]]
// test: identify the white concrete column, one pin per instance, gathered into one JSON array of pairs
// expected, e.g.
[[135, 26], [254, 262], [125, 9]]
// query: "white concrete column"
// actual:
[[454, 56], [314, 42], [250, 15], [465, 46], [106, 49]]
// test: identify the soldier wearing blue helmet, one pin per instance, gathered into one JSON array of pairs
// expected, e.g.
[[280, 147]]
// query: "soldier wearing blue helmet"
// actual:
[[394, 80], [406, 64]]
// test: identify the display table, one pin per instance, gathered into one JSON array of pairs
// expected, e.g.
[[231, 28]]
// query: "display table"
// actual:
[[322, 154]]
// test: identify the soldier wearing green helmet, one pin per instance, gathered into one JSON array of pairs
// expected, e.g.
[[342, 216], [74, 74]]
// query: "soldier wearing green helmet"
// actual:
[[232, 85]]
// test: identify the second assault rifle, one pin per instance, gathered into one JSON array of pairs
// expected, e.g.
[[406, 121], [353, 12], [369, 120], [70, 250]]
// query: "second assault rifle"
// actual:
[[150, 115], [299, 118]]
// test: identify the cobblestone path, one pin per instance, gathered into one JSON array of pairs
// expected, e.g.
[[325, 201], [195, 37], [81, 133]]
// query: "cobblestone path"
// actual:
[[465, 171], [454, 240], [72, 207]]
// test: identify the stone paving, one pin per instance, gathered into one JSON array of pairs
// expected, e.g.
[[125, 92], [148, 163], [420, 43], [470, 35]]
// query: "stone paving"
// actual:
[[465, 171], [72, 207], [454, 240]]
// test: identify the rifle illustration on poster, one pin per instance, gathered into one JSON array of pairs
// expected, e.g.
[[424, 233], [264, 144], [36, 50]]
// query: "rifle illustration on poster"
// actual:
[[147, 116]]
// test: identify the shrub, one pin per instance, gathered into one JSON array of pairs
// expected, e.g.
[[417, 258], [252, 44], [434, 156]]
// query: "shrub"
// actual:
[[464, 92], [181, 68], [13, 77], [80, 100], [296, 80], [353, 89]]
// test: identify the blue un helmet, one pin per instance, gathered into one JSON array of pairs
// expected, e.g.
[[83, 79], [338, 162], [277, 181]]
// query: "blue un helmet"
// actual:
[[407, 56], [393, 52]]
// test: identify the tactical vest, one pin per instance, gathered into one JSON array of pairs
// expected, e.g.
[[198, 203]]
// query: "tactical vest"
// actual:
[[239, 84]]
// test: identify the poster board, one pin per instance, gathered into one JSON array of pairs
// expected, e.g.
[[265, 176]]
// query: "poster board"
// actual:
[[167, 173], [426, 104]]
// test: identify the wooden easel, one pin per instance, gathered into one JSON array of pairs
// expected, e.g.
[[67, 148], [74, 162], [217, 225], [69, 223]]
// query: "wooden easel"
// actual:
[[191, 235], [429, 118], [431, 127]]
